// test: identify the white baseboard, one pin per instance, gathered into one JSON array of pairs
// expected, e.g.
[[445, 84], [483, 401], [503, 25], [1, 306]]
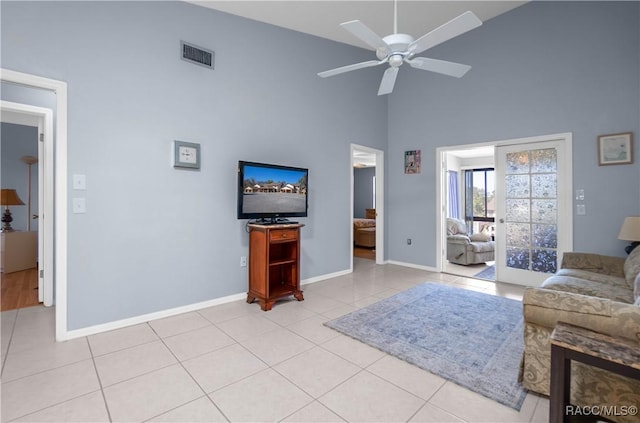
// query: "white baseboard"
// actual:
[[325, 277], [414, 266], [118, 324], [144, 318]]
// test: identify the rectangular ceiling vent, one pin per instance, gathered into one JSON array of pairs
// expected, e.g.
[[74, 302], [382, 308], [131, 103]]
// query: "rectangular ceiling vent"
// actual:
[[198, 55]]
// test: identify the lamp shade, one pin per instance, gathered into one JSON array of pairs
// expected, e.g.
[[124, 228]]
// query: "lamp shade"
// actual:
[[630, 230], [9, 197]]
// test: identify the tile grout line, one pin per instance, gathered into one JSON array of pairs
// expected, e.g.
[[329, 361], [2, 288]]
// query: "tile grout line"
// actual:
[[306, 405], [13, 328], [95, 368]]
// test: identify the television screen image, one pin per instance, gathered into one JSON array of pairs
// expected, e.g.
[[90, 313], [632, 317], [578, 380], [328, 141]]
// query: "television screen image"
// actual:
[[271, 191]]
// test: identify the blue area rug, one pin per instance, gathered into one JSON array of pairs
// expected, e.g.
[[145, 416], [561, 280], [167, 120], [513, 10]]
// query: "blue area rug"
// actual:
[[488, 274], [468, 337]]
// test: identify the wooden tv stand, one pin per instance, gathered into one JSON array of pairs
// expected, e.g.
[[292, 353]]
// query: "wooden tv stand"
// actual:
[[274, 263]]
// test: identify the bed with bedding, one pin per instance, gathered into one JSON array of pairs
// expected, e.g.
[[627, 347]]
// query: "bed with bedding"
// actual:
[[364, 230]]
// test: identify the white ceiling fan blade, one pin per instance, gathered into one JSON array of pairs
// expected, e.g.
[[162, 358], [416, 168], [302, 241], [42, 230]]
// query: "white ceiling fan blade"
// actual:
[[388, 81], [456, 26], [440, 66], [349, 68], [365, 33]]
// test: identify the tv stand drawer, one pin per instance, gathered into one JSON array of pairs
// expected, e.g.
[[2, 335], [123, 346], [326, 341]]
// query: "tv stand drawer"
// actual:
[[283, 235]]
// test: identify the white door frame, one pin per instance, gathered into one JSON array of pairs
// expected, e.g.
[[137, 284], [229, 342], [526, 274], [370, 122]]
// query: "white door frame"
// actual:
[[42, 118], [441, 165], [379, 154], [58, 200]]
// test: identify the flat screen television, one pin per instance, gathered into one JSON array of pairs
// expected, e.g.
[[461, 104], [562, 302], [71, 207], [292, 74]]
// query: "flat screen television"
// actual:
[[271, 193]]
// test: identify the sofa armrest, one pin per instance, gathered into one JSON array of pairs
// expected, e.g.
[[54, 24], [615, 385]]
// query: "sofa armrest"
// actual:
[[547, 307], [597, 263], [458, 239]]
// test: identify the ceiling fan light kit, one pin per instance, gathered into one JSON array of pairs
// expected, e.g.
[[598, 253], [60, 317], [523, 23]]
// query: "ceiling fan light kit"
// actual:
[[397, 48]]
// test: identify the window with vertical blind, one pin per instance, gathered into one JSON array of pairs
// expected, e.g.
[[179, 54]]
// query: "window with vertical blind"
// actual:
[[453, 207], [480, 191]]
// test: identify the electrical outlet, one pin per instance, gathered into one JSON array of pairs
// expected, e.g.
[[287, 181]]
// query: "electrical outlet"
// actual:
[[243, 261], [408, 241]]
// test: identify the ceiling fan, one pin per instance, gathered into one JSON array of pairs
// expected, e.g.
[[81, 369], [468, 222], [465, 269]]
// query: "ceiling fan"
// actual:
[[396, 49]]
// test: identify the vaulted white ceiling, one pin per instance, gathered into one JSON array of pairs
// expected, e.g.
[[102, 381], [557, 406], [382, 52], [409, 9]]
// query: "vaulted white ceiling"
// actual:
[[323, 17]]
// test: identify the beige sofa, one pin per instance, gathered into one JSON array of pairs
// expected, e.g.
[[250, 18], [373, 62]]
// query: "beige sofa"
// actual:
[[597, 292]]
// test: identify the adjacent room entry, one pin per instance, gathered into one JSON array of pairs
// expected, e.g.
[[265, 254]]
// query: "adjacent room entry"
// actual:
[[367, 203], [32, 235], [533, 206]]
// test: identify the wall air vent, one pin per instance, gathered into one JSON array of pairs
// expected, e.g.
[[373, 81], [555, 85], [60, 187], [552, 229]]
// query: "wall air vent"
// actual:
[[198, 55]]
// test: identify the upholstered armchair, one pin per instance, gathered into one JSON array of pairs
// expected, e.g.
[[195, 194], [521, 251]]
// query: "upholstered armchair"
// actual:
[[467, 249]]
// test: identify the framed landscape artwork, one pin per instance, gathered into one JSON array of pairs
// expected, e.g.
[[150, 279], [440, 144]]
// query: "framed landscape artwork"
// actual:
[[615, 149]]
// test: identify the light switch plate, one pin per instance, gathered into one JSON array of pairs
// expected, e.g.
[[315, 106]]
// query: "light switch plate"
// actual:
[[79, 205], [580, 194], [79, 182]]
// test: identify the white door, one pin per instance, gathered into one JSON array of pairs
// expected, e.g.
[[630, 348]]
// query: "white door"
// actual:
[[36, 219], [533, 209]]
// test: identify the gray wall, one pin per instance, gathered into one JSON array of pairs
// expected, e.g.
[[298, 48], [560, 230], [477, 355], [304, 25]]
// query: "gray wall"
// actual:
[[17, 141], [543, 68], [362, 190], [154, 237]]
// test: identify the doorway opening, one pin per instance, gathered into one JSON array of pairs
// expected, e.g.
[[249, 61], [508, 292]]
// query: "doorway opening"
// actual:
[[532, 218], [23, 238], [469, 212], [54, 203], [367, 203]]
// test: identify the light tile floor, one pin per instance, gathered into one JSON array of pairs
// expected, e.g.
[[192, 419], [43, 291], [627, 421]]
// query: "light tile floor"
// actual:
[[234, 362], [468, 271]]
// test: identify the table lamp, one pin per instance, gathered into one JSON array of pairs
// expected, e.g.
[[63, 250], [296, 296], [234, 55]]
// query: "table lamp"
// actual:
[[630, 231], [9, 197]]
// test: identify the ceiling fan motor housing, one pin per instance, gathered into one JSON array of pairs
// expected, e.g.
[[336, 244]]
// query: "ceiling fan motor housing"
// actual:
[[398, 46]]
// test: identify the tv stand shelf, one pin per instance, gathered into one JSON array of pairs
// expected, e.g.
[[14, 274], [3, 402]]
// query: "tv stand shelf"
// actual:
[[279, 263], [274, 263]]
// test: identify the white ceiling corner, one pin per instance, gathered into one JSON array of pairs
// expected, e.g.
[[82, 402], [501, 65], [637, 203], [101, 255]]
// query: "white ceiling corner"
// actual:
[[322, 18]]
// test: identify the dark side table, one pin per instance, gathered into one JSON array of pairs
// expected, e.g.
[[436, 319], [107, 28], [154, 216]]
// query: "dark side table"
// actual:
[[570, 342]]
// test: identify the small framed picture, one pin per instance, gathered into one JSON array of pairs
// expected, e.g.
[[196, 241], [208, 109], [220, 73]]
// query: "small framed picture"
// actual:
[[186, 155], [412, 161], [615, 149]]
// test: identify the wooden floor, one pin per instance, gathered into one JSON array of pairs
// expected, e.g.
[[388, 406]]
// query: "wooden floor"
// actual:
[[19, 289], [368, 253]]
